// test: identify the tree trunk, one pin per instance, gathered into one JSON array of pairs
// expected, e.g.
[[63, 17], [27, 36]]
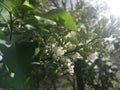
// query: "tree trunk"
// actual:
[[78, 72], [54, 85], [74, 84]]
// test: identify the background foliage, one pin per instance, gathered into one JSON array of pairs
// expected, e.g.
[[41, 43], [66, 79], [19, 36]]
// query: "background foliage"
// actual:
[[46, 45]]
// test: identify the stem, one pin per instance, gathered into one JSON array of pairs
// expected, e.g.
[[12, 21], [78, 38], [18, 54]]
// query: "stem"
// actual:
[[11, 25], [78, 69]]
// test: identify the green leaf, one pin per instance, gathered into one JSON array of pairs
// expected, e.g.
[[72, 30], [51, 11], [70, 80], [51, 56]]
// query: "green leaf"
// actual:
[[4, 16], [3, 25], [58, 15], [26, 3], [36, 63], [37, 50], [10, 5], [62, 17]]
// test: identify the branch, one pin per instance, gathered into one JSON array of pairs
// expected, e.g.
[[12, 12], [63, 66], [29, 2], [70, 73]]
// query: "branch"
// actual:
[[11, 25], [64, 4]]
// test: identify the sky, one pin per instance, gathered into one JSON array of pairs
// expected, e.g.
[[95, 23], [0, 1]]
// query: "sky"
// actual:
[[114, 6]]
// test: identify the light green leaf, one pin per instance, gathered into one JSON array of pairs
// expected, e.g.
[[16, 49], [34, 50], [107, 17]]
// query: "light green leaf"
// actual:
[[37, 50], [62, 17], [58, 15], [26, 3]]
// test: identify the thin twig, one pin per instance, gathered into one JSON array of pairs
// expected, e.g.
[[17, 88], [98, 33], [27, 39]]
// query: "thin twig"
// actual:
[[11, 25]]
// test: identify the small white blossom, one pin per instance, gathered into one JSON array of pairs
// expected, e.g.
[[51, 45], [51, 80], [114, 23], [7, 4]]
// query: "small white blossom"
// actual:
[[12, 75], [95, 67], [86, 61], [71, 46], [109, 39], [53, 45], [92, 57], [108, 63], [113, 66], [38, 17], [89, 63], [111, 47], [82, 26], [71, 34], [110, 71], [77, 56], [28, 26], [70, 68], [1, 58], [58, 51]]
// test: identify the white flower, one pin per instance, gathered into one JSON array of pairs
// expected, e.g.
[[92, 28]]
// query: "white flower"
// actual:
[[71, 34], [92, 57], [70, 68], [58, 51], [110, 71], [12, 74], [38, 17], [1, 58], [108, 63], [29, 26], [77, 56], [111, 47], [89, 63], [70, 46], [53, 45], [95, 67], [113, 66], [109, 39], [86, 61]]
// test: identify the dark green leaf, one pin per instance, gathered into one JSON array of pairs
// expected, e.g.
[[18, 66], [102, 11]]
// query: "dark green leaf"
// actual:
[[10, 4]]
